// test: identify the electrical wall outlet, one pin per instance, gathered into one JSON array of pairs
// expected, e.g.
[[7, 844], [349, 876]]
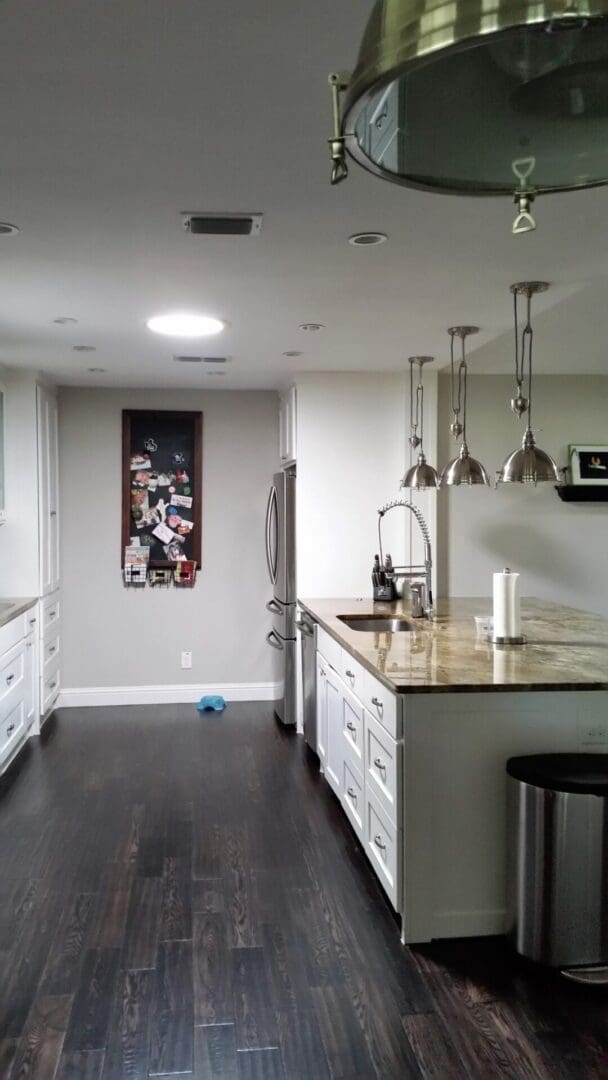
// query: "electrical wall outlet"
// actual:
[[592, 730], [186, 661]]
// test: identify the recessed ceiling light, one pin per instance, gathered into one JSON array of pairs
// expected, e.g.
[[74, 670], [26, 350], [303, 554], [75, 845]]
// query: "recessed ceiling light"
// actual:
[[97, 370], [65, 320], [367, 239], [311, 327], [7, 229], [292, 353], [184, 324], [84, 348]]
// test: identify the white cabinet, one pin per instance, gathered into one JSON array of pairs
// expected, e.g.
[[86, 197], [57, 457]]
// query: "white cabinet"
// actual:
[[48, 490], [288, 426], [18, 695], [361, 758], [50, 651]]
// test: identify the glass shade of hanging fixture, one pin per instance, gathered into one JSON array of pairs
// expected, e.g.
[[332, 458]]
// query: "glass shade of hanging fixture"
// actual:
[[507, 97], [463, 469], [528, 465], [420, 476]]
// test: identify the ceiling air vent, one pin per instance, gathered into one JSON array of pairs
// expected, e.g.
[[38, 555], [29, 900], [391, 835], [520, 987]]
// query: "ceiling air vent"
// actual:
[[199, 224]]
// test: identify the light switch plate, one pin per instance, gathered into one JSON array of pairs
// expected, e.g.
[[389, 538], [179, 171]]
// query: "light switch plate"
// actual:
[[186, 661]]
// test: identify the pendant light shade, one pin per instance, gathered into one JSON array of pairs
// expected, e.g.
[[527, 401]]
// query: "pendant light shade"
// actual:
[[528, 465], [421, 476], [463, 469], [446, 93]]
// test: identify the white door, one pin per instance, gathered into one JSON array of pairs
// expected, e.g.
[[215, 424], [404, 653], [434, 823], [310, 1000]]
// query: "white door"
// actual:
[[48, 495], [334, 756]]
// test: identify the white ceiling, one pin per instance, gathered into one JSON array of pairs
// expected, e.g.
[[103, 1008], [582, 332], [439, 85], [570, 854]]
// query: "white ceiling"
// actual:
[[117, 116]]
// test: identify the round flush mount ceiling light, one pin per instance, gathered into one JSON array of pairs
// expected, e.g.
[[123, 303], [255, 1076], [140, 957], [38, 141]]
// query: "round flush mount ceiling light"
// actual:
[[6, 229], [367, 239], [311, 327], [185, 324]]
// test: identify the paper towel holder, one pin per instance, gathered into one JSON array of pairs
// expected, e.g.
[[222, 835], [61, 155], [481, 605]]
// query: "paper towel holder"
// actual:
[[495, 639]]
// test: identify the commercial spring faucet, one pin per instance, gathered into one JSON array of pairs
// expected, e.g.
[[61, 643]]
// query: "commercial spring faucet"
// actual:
[[422, 597]]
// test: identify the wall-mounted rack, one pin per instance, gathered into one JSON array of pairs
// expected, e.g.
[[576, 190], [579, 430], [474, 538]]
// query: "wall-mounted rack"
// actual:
[[583, 492]]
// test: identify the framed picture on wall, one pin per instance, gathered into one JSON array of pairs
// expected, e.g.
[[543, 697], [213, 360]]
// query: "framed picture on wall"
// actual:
[[588, 464], [162, 485]]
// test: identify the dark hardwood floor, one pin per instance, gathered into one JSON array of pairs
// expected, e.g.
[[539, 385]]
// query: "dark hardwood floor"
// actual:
[[182, 895]]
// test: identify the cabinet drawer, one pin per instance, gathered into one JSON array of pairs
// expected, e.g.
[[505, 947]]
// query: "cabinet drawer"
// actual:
[[352, 727], [329, 648], [49, 690], [383, 767], [383, 705], [12, 731], [12, 676], [51, 612], [51, 645], [12, 632], [383, 845], [353, 796], [353, 673]]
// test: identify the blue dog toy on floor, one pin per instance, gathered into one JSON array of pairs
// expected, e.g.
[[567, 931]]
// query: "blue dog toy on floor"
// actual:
[[211, 703]]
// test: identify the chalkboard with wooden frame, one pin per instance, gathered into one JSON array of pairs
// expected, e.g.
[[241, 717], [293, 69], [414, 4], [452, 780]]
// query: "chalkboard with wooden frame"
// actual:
[[162, 488]]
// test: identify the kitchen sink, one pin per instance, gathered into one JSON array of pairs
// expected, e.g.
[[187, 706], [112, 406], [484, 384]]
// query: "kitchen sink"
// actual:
[[379, 624]]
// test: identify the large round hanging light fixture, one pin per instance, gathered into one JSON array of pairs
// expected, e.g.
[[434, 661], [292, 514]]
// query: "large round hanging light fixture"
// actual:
[[508, 97]]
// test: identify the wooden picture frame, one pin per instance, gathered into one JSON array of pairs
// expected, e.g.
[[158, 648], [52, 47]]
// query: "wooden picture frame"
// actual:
[[588, 464], [162, 459]]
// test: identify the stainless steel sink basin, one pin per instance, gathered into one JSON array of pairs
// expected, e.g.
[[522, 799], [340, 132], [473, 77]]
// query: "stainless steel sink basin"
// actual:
[[379, 624]]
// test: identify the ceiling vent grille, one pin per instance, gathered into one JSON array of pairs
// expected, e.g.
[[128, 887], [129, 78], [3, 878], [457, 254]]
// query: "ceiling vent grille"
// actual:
[[201, 224], [200, 359]]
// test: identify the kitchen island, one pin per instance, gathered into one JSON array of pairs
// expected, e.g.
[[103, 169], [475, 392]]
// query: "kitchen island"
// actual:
[[416, 728]]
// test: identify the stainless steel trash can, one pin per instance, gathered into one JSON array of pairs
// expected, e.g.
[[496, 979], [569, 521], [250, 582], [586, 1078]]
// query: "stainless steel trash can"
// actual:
[[557, 873]]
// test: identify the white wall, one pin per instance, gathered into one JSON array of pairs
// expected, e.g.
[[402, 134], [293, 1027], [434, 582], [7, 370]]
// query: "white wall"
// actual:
[[560, 549], [19, 573], [118, 637], [352, 454]]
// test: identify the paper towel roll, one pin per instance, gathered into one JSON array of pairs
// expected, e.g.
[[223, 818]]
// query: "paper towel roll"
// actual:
[[507, 616]]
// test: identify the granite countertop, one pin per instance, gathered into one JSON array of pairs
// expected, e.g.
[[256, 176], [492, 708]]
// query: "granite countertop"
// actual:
[[567, 649], [11, 607]]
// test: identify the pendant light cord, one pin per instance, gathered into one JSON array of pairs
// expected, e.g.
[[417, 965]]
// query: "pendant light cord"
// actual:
[[462, 390], [528, 336]]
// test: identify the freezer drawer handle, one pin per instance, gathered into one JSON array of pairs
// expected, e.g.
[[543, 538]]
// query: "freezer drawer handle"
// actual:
[[275, 641], [273, 607], [379, 844], [378, 762], [304, 628]]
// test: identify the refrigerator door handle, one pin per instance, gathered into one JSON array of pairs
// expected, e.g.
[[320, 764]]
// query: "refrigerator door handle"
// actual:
[[305, 628], [273, 608], [275, 641], [271, 516]]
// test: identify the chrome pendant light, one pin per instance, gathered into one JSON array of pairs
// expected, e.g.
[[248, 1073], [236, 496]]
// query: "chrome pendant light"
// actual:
[[505, 97], [463, 469], [420, 476], [529, 465]]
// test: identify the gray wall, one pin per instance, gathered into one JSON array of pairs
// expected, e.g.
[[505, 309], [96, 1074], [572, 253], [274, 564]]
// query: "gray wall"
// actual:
[[560, 549], [114, 636]]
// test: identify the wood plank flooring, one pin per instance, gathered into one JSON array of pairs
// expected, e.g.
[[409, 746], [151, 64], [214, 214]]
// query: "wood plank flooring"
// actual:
[[182, 896]]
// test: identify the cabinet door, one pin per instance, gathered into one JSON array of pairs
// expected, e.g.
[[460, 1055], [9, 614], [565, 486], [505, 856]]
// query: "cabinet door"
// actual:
[[321, 710], [31, 680], [335, 752], [48, 491]]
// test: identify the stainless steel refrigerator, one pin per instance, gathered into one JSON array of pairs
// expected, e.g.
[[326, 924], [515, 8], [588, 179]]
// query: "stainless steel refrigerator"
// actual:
[[281, 560]]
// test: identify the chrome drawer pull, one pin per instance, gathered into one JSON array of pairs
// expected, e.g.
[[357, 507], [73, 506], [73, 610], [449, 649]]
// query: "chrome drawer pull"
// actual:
[[10, 729], [352, 794], [52, 649], [351, 727], [323, 674], [378, 762], [376, 701], [32, 622], [52, 614], [9, 679], [379, 844], [53, 685], [350, 674]]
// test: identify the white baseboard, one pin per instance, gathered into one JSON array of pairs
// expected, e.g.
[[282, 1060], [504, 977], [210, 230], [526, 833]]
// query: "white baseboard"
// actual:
[[80, 697]]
